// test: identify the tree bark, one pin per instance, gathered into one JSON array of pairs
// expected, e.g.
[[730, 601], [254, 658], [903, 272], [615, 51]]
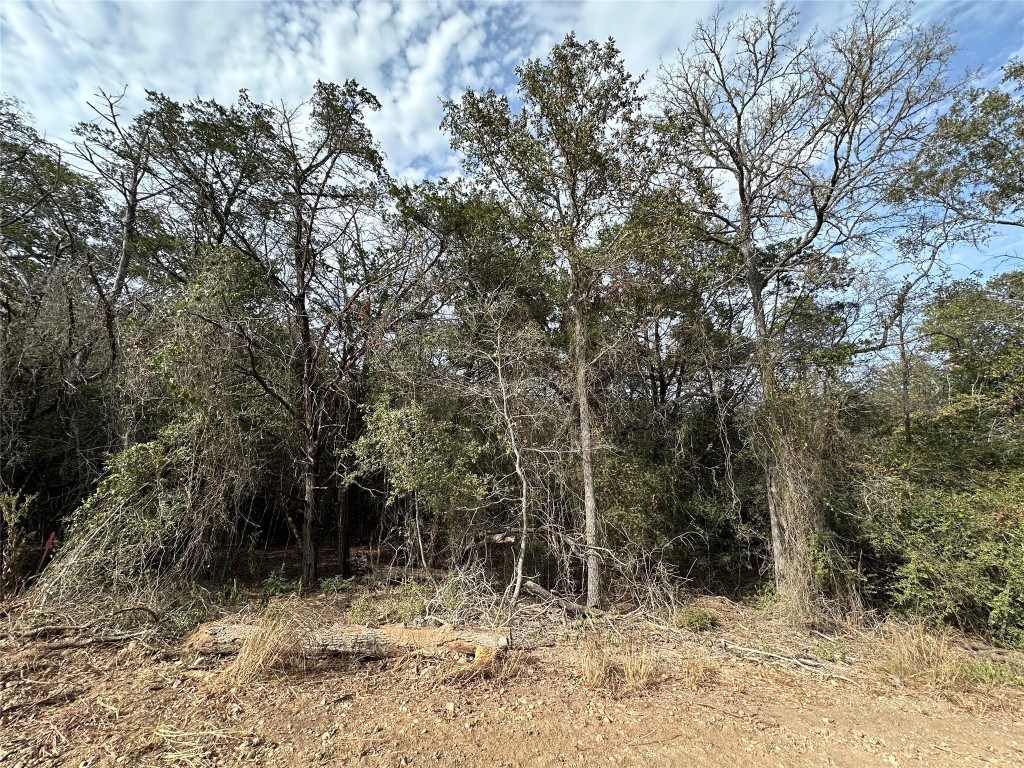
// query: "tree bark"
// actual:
[[593, 557], [309, 508], [791, 512], [224, 638], [344, 534]]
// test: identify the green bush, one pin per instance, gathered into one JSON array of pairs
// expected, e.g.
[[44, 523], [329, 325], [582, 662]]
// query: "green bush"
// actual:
[[336, 585], [276, 585], [695, 619], [953, 556]]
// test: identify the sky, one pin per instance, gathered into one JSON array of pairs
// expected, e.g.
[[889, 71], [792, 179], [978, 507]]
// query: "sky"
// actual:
[[411, 55]]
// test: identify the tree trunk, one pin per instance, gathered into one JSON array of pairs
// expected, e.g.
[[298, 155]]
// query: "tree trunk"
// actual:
[[587, 458], [791, 505], [904, 379], [344, 537], [309, 524], [372, 642]]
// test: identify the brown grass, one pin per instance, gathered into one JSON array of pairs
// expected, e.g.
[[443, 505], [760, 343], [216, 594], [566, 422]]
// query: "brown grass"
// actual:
[[699, 674], [285, 628], [501, 667], [918, 654], [629, 668]]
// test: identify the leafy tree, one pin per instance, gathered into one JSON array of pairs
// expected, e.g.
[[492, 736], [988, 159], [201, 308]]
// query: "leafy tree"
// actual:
[[943, 511], [971, 164], [288, 188], [567, 165], [57, 344]]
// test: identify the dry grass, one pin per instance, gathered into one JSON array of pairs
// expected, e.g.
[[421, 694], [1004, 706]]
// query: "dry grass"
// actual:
[[501, 667], [698, 674], [285, 628], [640, 667], [630, 668], [915, 653]]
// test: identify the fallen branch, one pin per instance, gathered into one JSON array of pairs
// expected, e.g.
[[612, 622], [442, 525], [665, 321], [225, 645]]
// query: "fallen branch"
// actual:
[[56, 698], [62, 645], [223, 638], [784, 660], [537, 590]]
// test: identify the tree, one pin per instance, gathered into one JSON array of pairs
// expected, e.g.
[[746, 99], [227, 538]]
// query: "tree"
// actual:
[[942, 513], [56, 344], [567, 164], [289, 190], [971, 164], [790, 144]]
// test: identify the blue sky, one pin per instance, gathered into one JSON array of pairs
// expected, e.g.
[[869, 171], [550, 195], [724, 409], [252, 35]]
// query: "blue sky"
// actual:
[[53, 55]]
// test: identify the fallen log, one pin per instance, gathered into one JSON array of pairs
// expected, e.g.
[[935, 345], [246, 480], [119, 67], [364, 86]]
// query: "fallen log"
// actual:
[[226, 638]]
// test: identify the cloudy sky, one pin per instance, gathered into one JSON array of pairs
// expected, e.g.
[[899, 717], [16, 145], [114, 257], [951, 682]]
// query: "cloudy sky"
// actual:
[[54, 55]]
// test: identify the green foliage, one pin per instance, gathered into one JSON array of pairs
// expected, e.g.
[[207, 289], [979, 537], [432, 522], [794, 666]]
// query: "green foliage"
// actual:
[[362, 610], [14, 514], [276, 585], [423, 457], [995, 673], [632, 497], [834, 649], [405, 603], [336, 585], [956, 556], [154, 518], [944, 511], [971, 164], [695, 619]]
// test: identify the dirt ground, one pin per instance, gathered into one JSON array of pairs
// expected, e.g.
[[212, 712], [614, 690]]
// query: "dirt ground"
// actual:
[[142, 704]]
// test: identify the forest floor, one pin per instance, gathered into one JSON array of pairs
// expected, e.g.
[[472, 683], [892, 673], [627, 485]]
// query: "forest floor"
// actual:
[[746, 692]]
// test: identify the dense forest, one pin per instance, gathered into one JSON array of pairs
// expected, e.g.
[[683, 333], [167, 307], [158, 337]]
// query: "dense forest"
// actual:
[[691, 333]]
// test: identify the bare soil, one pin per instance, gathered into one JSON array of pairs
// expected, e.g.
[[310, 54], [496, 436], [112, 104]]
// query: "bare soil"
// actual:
[[139, 704]]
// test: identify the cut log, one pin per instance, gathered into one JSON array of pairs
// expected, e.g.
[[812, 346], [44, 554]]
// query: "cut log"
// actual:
[[224, 638]]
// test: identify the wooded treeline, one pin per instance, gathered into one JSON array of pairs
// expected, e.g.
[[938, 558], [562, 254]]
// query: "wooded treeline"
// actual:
[[696, 335]]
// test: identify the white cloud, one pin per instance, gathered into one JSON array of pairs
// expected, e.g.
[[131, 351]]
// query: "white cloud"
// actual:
[[54, 55]]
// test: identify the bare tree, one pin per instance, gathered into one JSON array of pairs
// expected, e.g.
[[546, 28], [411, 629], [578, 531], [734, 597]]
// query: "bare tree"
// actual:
[[793, 142]]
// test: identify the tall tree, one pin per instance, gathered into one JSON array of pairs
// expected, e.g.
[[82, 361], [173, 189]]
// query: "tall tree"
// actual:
[[798, 137], [289, 189], [567, 163]]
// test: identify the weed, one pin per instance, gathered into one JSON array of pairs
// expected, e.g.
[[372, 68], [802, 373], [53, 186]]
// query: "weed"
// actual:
[[698, 674], [916, 653], [336, 585], [276, 585], [834, 649], [766, 599], [361, 610], [407, 603], [640, 667], [597, 666], [695, 619], [603, 667], [252, 555], [285, 626], [994, 673]]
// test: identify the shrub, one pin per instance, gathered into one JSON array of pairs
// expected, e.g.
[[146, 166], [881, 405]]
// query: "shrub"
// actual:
[[336, 585], [695, 619], [953, 556], [276, 585]]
